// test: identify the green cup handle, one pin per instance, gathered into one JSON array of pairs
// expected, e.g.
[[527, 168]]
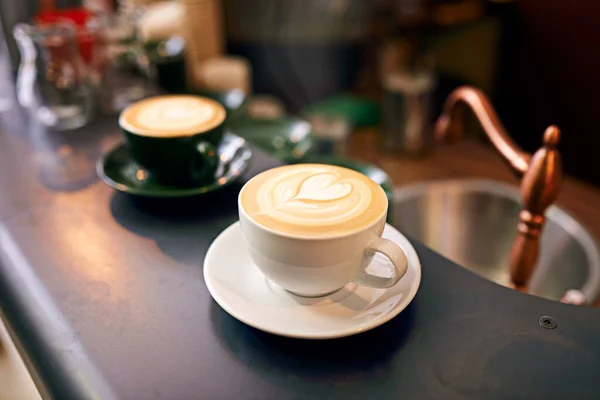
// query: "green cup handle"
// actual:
[[208, 153]]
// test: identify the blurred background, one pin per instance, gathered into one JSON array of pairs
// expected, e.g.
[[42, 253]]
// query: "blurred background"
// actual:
[[341, 63]]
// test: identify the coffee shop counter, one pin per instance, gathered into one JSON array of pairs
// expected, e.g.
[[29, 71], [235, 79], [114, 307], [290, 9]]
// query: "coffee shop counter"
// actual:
[[104, 297]]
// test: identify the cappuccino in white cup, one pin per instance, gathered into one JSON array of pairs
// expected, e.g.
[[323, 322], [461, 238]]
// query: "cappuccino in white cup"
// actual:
[[313, 228]]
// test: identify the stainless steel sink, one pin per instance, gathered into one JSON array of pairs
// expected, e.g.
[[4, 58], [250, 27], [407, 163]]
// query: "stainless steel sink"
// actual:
[[473, 223]]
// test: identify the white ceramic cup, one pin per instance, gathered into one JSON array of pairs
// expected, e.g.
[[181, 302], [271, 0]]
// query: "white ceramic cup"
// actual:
[[318, 266]]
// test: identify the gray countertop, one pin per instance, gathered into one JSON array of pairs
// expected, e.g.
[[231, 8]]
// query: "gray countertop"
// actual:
[[105, 295]]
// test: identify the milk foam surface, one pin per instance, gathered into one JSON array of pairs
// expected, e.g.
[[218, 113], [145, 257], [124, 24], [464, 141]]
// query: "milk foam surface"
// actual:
[[171, 116], [313, 200]]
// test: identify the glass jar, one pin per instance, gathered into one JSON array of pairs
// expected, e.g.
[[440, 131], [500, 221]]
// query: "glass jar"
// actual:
[[53, 81]]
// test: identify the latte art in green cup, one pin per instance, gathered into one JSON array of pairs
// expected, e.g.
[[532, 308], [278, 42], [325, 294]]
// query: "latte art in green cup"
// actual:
[[175, 137], [168, 116]]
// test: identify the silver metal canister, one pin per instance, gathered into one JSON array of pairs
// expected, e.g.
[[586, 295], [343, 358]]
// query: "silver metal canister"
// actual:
[[407, 112]]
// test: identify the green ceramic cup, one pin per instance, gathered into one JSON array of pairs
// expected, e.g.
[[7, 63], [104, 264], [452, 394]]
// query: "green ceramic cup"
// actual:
[[175, 137]]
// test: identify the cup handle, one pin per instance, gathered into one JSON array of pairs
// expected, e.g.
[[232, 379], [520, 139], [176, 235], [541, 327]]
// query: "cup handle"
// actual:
[[396, 255]]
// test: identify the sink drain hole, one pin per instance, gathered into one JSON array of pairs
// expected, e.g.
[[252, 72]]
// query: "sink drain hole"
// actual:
[[547, 322]]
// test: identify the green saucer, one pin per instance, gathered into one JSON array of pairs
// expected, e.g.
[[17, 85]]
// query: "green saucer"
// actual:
[[118, 170]]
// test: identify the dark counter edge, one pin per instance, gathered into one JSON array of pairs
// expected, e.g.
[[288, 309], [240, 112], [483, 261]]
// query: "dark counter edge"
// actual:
[[42, 335]]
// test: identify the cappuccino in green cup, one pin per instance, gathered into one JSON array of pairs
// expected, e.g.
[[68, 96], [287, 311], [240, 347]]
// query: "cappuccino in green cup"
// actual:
[[175, 137]]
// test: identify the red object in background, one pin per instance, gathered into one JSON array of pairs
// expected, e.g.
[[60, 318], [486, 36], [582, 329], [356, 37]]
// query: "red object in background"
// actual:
[[80, 17]]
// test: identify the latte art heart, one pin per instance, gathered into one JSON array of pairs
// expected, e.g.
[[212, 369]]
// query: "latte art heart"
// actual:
[[313, 198], [323, 187]]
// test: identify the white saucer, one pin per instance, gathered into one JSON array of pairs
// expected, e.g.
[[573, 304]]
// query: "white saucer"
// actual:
[[243, 291]]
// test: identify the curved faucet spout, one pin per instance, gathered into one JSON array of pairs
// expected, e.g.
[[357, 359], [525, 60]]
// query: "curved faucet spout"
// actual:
[[450, 124]]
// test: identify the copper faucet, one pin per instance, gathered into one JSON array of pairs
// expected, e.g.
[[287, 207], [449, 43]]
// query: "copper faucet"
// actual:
[[541, 174]]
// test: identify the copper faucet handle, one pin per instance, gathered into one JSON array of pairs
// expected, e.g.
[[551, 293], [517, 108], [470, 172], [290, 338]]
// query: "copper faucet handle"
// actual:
[[541, 181], [539, 189]]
